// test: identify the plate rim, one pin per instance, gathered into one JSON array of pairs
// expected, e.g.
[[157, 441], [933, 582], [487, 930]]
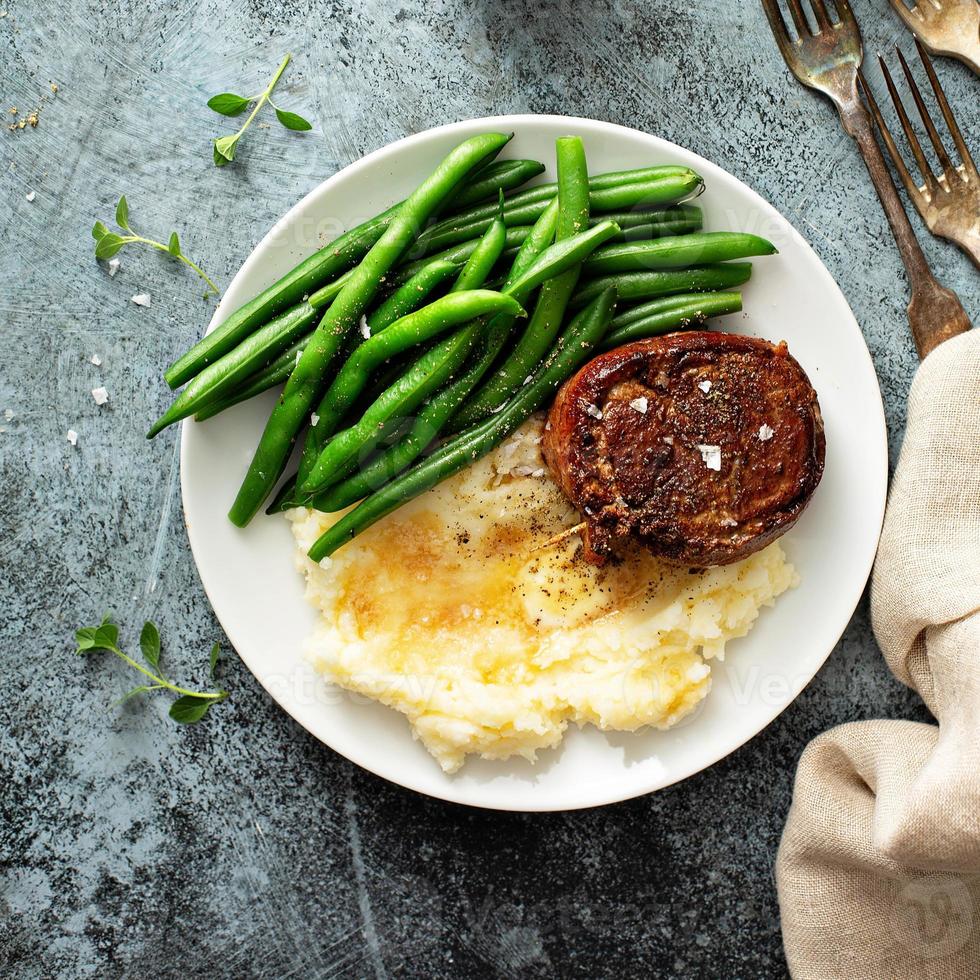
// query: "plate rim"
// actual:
[[704, 166]]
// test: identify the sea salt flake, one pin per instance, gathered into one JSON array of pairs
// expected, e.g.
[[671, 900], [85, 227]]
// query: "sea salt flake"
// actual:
[[8, 413], [113, 267], [365, 329], [325, 562], [100, 395], [728, 522], [711, 456], [314, 418], [30, 197], [705, 386], [639, 405], [538, 473], [96, 360], [593, 410], [72, 436], [141, 299], [765, 433], [669, 440]]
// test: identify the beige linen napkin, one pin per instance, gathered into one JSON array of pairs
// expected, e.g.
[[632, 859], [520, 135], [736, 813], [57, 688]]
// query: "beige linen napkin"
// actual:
[[878, 871]]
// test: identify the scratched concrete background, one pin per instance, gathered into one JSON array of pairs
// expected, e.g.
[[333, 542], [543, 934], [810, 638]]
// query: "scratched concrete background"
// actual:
[[243, 847]]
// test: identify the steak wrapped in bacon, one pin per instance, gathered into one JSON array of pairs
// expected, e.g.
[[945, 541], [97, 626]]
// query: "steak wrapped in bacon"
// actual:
[[702, 446]]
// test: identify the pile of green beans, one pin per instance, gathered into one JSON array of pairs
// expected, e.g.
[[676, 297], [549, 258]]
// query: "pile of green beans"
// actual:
[[575, 347], [546, 320], [381, 357]]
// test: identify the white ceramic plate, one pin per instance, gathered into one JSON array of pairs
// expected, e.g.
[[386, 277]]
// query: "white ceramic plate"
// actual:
[[258, 596]]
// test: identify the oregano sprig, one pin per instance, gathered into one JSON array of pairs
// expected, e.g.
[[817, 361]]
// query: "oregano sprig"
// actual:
[[190, 706], [107, 242], [230, 104]]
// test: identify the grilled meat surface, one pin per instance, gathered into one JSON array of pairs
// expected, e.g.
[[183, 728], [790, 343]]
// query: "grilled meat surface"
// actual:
[[702, 446]]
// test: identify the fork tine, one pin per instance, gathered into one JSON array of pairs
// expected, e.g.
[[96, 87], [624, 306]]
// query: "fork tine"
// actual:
[[910, 185], [913, 140], [778, 26], [906, 15], [944, 161], [820, 12], [844, 12], [799, 18], [960, 143]]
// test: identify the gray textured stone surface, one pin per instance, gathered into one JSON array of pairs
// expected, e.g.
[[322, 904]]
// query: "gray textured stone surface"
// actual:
[[131, 846]]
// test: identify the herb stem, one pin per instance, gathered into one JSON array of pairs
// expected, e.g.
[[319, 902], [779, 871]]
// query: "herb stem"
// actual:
[[160, 682], [265, 96], [183, 258]]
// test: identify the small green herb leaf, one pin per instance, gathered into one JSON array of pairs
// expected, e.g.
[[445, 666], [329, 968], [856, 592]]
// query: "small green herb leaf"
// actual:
[[213, 659], [105, 636], [228, 104], [122, 213], [224, 149], [190, 708], [292, 120], [150, 644], [108, 245]]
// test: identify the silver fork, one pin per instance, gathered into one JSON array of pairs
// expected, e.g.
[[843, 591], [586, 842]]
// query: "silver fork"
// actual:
[[945, 27], [828, 60], [948, 202]]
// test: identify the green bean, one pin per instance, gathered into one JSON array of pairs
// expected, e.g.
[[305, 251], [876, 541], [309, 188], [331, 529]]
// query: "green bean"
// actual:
[[444, 405], [540, 236], [563, 255], [323, 461], [549, 311], [330, 411], [257, 352], [426, 376], [265, 378], [410, 331], [404, 300], [652, 307], [574, 347], [408, 297], [527, 206], [676, 220], [225, 374], [426, 426], [675, 313], [545, 192], [306, 382], [677, 252], [501, 325], [634, 286], [487, 182], [339, 255], [459, 253]]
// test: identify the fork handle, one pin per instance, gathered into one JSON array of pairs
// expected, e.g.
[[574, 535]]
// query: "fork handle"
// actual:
[[935, 312]]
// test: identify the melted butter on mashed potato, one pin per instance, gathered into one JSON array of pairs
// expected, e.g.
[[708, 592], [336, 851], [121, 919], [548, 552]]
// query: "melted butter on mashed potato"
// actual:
[[446, 612]]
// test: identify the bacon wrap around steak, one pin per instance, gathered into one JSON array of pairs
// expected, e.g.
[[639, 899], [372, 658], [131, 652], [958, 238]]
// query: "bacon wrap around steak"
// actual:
[[631, 440]]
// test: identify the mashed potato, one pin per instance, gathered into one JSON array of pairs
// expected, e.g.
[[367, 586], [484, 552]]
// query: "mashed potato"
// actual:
[[454, 611]]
